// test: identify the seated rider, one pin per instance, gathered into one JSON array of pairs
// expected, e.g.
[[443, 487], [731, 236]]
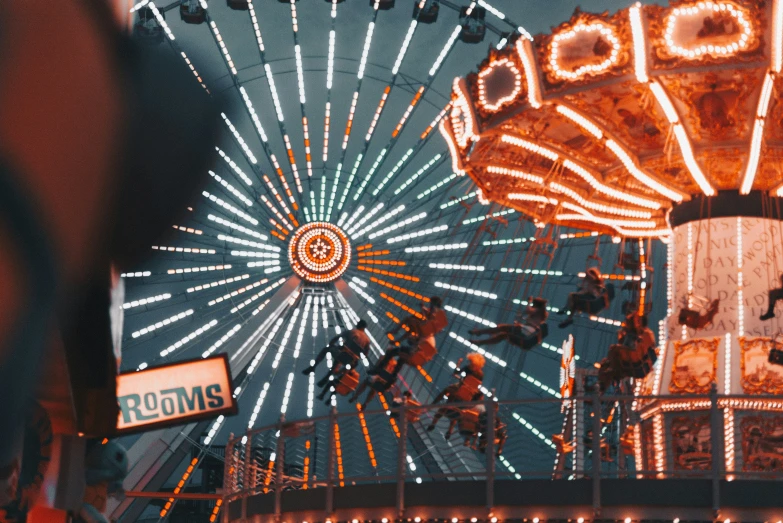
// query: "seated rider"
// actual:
[[633, 355], [474, 367], [466, 389], [356, 338], [591, 289], [525, 335], [354, 343], [381, 381], [422, 333], [774, 295]]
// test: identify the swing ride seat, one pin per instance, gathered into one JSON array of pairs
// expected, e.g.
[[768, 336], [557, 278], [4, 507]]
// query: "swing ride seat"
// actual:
[[596, 304], [348, 383], [632, 362], [468, 388], [528, 336], [423, 353], [412, 413], [434, 325], [695, 319], [383, 380], [468, 422]]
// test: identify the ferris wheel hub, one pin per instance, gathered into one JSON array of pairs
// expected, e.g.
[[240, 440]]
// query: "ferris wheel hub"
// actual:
[[319, 252]]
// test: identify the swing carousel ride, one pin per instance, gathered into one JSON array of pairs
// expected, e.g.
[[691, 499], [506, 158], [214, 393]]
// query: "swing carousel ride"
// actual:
[[642, 144]]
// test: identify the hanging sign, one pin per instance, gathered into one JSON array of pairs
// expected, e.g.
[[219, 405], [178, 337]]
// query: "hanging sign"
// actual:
[[175, 394]]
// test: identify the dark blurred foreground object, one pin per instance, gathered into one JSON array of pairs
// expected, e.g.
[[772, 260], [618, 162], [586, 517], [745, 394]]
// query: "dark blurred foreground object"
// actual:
[[103, 143]]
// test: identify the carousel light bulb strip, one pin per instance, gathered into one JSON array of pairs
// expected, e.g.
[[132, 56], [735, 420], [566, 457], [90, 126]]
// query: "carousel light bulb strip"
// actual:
[[590, 204], [220, 342], [415, 176], [605, 31], [241, 141], [681, 135], [188, 250], [393, 172], [190, 337], [398, 225], [145, 301], [739, 15], [524, 49], [515, 173], [466, 290], [163, 323], [233, 190], [234, 167], [436, 248], [658, 445], [639, 44], [417, 234], [471, 317], [758, 133], [218, 283]]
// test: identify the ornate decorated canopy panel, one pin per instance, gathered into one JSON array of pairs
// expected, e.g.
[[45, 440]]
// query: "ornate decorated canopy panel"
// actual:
[[610, 120]]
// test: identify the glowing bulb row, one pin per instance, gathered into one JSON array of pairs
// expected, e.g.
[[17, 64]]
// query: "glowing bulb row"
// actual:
[[242, 143], [466, 290], [233, 190], [237, 227], [219, 343], [146, 301], [162, 323], [417, 234], [190, 337], [435, 248]]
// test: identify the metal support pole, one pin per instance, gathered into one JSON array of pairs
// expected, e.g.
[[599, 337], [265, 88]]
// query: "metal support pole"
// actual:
[[229, 484], [716, 440], [247, 485], [279, 468], [402, 453], [489, 451], [330, 463], [596, 445]]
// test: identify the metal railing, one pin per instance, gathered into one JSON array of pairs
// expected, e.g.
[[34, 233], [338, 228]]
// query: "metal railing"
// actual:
[[643, 437]]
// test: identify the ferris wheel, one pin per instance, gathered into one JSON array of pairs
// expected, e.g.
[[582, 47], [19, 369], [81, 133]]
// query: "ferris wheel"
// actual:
[[334, 199]]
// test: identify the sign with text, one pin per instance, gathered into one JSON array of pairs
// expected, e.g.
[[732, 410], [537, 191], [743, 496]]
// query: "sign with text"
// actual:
[[175, 394]]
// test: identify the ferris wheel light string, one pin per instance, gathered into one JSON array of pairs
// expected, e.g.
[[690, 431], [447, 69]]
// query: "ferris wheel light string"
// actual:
[[187, 339], [188, 270], [161, 21], [338, 172], [398, 225], [212, 285], [370, 173], [470, 316], [236, 292], [393, 172], [227, 206], [758, 131], [276, 212], [488, 216], [257, 408], [163, 323], [146, 301], [237, 227], [455, 267], [348, 185], [418, 173], [418, 234], [466, 290], [234, 167], [241, 141], [186, 250], [353, 216], [435, 248], [220, 342], [364, 219], [223, 49], [286, 336], [278, 197], [233, 190], [383, 219]]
